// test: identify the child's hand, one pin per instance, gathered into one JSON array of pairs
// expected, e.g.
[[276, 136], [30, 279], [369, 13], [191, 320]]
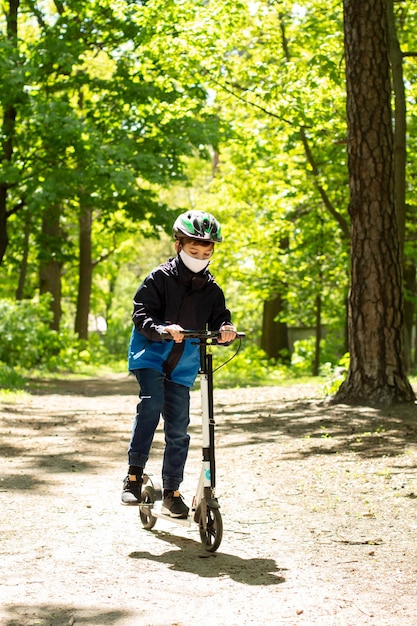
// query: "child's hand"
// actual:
[[228, 333], [175, 331]]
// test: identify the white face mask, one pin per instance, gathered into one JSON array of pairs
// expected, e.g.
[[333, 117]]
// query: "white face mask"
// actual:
[[193, 264]]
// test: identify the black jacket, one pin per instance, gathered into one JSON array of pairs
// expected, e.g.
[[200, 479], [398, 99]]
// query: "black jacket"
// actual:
[[172, 294]]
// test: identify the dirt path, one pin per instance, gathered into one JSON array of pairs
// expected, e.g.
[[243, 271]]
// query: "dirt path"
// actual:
[[318, 505]]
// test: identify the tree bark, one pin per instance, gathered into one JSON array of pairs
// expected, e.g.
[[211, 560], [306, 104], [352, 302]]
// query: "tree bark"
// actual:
[[274, 339], [317, 347], [377, 374], [24, 262], [400, 122], [8, 129], [50, 263], [400, 169], [85, 276]]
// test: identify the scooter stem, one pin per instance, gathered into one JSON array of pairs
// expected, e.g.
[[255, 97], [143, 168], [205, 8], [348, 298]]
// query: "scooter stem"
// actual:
[[206, 382]]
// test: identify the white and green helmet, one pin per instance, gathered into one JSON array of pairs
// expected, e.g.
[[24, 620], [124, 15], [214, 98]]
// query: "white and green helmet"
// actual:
[[198, 225]]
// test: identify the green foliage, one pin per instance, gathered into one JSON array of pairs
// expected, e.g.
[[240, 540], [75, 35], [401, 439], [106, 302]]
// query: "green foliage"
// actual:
[[101, 120], [11, 378], [248, 368], [302, 358], [115, 341], [121, 106], [30, 347], [28, 342], [335, 375], [251, 368]]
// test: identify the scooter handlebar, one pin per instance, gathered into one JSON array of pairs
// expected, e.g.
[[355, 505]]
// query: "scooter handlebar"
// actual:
[[201, 334]]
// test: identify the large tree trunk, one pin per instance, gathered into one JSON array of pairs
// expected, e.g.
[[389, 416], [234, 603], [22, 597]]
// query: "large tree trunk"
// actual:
[[410, 284], [400, 166], [400, 123], [376, 319]]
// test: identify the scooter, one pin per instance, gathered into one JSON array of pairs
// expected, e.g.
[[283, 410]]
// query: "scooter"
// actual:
[[205, 509]]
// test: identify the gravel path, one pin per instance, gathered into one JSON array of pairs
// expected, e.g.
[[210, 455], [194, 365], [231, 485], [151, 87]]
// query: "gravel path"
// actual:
[[318, 506]]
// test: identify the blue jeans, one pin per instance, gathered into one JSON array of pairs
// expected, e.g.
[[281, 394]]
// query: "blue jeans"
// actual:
[[158, 395]]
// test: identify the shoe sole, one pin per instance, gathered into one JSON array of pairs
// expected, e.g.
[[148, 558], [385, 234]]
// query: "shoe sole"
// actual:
[[167, 512]]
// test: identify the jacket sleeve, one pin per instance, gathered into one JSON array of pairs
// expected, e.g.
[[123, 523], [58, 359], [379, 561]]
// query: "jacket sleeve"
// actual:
[[148, 305]]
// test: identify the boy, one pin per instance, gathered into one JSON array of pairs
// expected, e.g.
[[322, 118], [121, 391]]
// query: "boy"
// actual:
[[180, 294]]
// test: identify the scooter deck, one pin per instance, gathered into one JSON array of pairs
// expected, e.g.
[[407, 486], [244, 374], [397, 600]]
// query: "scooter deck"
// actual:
[[176, 520]]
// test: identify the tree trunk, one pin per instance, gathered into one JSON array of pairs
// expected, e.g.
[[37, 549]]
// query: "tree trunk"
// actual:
[[400, 167], [274, 339], [400, 122], [85, 276], [24, 262], [377, 373], [8, 129], [410, 284], [4, 240], [50, 263], [317, 348]]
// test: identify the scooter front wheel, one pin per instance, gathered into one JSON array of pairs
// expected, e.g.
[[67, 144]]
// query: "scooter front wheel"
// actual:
[[211, 536], [145, 508]]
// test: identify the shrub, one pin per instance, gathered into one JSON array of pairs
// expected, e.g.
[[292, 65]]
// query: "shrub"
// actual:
[[249, 368], [28, 342], [26, 339], [10, 378]]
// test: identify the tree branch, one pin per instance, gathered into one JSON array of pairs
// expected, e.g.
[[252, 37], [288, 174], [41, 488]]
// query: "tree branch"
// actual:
[[17, 207], [344, 227]]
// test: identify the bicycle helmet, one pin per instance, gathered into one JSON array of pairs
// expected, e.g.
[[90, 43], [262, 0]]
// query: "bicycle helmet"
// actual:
[[197, 225]]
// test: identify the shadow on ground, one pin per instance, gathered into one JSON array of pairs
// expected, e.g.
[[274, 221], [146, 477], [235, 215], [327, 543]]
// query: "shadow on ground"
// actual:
[[190, 556], [53, 615], [324, 428], [121, 385], [72, 441]]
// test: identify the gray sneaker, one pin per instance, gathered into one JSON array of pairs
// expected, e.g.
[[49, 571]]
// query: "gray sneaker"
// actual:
[[132, 488], [174, 505]]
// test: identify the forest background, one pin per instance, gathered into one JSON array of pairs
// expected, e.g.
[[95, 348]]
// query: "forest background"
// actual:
[[117, 116]]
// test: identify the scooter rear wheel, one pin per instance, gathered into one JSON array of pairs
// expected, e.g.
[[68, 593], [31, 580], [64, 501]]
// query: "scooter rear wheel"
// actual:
[[212, 535], [145, 512]]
